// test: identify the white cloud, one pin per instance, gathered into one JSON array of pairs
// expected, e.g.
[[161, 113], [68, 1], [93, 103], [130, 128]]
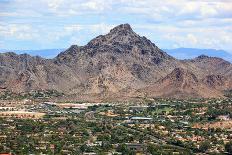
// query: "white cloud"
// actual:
[[102, 28], [45, 36], [96, 5], [21, 32], [54, 4], [76, 7], [153, 8], [73, 28], [198, 23], [189, 36], [8, 14], [192, 39], [95, 28]]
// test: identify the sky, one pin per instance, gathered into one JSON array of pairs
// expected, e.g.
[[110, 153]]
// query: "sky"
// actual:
[[47, 24]]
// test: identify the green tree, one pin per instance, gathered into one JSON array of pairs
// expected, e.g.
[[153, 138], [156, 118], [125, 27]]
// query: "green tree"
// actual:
[[153, 149], [124, 149], [204, 146], [228, 147]]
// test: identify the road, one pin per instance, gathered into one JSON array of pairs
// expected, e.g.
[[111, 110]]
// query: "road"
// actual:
[[155, 139]]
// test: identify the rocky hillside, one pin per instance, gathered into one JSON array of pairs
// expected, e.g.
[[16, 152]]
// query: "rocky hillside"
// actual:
[[182, 83], [118, 64]]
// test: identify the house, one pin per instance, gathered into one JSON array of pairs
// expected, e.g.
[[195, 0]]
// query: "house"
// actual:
[[136, 147], [89, 153], [22, 114], [140, 119], [223, 117]]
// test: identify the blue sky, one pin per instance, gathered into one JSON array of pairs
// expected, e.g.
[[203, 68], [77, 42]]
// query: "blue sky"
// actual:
[[45, 24]]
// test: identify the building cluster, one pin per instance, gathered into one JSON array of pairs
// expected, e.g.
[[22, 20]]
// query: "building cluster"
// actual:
[[180, 126]]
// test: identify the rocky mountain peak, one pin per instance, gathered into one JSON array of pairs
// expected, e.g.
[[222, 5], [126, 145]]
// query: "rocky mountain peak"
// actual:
[[214, 80], [66, 56], [72, 50], [181, 74], [11, 54], [120, 40], [121, 34], [202, 57], [212, 62], [123, 28], [113, 65], [206, 58]]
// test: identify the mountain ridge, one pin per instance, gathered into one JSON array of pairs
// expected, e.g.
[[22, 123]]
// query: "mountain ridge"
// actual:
[[120, 63], [191, 53], [178, 53]]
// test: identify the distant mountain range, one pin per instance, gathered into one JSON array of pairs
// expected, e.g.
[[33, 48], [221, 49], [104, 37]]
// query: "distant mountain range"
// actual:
[[190, 53], [120, 65], [179, 53], [45, 53]]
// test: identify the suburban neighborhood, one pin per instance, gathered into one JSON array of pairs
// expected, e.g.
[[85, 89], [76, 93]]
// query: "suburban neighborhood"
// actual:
[[153, 126]]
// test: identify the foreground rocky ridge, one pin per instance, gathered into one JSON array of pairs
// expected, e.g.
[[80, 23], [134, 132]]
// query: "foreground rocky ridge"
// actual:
[[120, 64]]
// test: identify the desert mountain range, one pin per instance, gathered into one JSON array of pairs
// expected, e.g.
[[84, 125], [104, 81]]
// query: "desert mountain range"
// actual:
[[120, 64]]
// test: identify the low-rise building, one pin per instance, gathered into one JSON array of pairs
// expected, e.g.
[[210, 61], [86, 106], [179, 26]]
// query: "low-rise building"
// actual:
[[22, 114]]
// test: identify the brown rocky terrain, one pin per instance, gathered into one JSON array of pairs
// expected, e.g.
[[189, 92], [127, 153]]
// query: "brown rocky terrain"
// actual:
[[120, 64], [181, 83]]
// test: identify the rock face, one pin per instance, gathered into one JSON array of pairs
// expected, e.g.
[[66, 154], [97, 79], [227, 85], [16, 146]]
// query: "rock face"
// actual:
[[20, 72], [215, 81], [120, 63], [114, 62], [182, 83]]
